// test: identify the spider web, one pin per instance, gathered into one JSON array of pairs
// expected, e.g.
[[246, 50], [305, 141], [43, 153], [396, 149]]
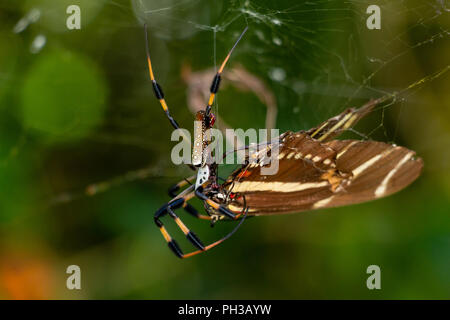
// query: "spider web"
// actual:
[[317, 57], [324, 78]]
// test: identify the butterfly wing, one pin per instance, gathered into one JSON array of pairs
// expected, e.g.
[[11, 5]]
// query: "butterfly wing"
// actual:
[[313, 175], [333, 127]]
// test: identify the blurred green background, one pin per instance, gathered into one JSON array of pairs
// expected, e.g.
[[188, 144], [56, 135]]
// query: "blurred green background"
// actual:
[[79, 124]]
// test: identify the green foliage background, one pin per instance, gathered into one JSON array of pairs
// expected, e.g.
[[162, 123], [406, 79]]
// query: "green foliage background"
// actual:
[[80, 111]]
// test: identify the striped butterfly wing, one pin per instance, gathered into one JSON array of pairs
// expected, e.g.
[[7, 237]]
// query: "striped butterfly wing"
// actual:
[[314, 174], [333, 127], [377, 170]]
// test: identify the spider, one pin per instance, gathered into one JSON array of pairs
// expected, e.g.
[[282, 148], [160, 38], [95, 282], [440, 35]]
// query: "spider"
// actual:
[[207, 188]]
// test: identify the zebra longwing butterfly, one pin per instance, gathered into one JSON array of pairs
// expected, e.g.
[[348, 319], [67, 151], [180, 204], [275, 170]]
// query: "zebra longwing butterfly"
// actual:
[[316, 171]]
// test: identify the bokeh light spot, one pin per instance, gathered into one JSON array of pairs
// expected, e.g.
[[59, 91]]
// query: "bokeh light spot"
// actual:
[[63, 96]]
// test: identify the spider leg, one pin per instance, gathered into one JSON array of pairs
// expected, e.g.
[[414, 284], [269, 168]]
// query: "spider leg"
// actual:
[[173, 189], [191, 209], [216, 80], [190, 235], [159, 94], [212, 245], [173, 245], [187, 194]]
